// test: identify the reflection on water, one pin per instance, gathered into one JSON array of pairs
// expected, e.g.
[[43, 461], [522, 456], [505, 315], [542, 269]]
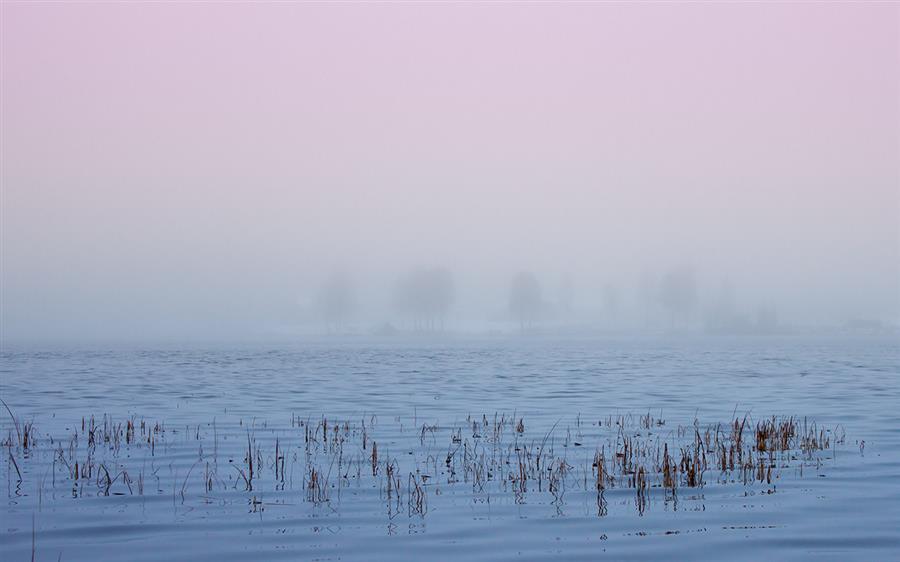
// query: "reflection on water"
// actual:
[[488, 449]]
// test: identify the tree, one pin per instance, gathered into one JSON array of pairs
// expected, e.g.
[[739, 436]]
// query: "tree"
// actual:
[[425, 296], [647, 286], [678, 293], [610, 302], [336, 301], [766, 318], [525, 300], [722, 315], [566, 296]]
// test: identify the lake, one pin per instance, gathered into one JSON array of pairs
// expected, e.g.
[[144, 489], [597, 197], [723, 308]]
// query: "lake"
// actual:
[[501, 448]]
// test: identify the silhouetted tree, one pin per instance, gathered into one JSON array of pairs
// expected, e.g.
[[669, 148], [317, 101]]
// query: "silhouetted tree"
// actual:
[[336, 300], [525, 301], [425, 296], [646, 294], [566, 296], [610, 302], [722, 315], [678, 293], [766, 318]]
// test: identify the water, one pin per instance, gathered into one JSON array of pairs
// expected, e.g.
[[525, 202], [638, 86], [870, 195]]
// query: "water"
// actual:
[[841, 502]]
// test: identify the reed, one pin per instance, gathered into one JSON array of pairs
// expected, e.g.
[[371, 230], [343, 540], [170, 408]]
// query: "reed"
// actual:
[[491, 453]]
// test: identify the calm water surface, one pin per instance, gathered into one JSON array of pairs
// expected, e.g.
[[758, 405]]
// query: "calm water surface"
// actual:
[[209, 401]]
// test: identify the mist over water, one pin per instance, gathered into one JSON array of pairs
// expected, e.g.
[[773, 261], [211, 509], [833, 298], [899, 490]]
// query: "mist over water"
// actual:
[[675, 168], [423, 281]]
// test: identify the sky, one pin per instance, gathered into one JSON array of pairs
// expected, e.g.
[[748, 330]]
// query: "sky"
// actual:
[[180, 170]]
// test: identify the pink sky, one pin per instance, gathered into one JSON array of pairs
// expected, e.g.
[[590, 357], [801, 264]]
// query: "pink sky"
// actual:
[[210, 153]]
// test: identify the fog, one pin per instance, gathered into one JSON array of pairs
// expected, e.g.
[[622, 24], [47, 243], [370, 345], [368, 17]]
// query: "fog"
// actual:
[[272, 171]]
